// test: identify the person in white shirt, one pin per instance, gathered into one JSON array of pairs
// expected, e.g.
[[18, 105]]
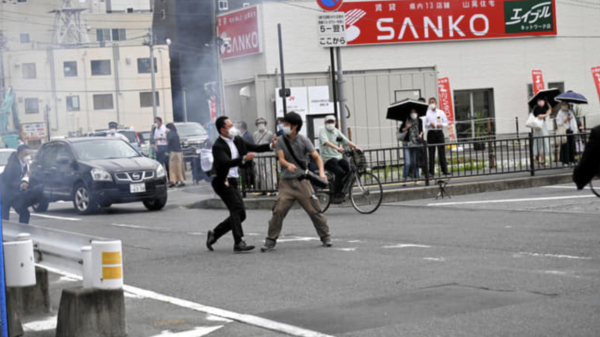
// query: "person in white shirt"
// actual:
[[436, 121], [112, 132], [160, 142], [566, 119]]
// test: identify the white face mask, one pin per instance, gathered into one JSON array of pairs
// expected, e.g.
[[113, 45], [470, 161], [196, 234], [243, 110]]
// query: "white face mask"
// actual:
[[287, 130], [413, 116], [233, 132], [432, 106], [565, 108], [155, 125], [113, 131], [330, 126], [262, 127], [27, 159]]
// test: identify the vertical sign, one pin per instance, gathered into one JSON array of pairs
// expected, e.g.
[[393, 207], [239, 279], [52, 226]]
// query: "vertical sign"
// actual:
[[446, 105], [596, 74], [3, 314], [538, 81], [331, 29]]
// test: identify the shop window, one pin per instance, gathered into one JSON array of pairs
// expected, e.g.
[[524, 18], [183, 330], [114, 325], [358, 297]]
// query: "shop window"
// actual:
[[70, 68], [72, 103], [471, 110], [146, 99], [103, 102], [144, 65], [223, 5], [24, 38], [32, 106], [29, 71], [100, 67]]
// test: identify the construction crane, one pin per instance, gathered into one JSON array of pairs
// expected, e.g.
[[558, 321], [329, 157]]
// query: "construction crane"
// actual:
[[10, 130]]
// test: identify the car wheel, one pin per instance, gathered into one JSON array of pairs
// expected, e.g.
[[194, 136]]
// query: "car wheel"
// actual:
[[155, 204], [41, 206], [83, 201]]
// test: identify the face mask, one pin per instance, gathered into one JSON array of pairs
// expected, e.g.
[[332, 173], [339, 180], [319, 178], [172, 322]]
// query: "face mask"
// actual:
[[27, 159], [280, 127], [541, 104], [330, 126], [565, 108], [113, 131], [233, 132], [261, 127], [413, 116], [155, 125], [432, 106], [287, 130]]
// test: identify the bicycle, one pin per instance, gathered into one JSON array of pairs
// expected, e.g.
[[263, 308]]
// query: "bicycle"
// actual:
[[362, 187]]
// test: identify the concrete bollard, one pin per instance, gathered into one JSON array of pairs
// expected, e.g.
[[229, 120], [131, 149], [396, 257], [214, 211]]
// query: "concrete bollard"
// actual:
[[19, 263], [107, 264], [35, 300], [88, 275]]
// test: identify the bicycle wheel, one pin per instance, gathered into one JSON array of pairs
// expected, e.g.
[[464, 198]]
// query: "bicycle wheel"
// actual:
[[366, 193], [324, 194]]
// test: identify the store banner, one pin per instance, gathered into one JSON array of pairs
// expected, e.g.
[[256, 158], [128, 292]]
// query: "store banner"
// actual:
[[596, 74], [377, 22], [445, 97], [538, 81], [240, 29], [212, 105]]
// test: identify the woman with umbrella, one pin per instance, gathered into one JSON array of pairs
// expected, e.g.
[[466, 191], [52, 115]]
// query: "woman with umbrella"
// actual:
[[413, 126], [566, 119], [541, 146]]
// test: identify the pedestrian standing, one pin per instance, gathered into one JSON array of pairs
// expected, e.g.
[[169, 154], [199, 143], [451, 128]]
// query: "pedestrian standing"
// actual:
[[264, 167], [112, 132], [566, 119], [279, 130], [541, 146], [176, 167], [160, 142], [413, 126], [247, 172], [15, 189], [230, 152], [293, 150], [436, 121]]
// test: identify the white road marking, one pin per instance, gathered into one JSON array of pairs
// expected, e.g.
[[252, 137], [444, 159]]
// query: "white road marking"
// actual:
[[407, 245], [195, 233], [565, 187], [558, 256], [298, 239], [437, 259], [51, 217], [218, 319], [42, 325], [354, 241], [243, 318], [138, 227], [197, 332], [346, 249], [510, 200]]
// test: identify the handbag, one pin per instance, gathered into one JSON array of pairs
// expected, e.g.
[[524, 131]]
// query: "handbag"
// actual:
[[561, 135], [401, 136], [534, 122], [307, 174]]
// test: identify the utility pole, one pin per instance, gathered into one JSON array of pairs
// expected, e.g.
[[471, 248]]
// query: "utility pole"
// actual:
[[282, 92], [184, 105], [2, 46], [341, 96], [152, 75], [216, 43]]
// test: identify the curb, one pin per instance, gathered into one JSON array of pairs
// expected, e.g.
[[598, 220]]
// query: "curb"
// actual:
[[406, 194]]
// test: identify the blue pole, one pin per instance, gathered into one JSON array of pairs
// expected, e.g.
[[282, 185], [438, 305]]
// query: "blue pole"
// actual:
[[3, 315]]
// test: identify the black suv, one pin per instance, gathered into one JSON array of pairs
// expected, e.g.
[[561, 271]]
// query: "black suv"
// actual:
[[98, 172], [193, 137]]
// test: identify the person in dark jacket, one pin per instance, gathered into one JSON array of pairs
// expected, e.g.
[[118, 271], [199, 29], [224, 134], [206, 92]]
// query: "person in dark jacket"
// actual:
[[247, 173], [589, 164], [15, 188], [176, 166]]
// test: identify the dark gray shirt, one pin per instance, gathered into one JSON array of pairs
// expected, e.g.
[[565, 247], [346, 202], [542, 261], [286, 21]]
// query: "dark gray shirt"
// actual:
[[302, 147]]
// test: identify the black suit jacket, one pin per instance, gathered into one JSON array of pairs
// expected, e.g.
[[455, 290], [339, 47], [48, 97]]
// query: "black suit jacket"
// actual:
[[589, 165], [222, 157], [10, 180]]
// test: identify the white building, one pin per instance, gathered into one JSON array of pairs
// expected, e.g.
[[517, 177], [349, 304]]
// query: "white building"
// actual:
[[490, 72]]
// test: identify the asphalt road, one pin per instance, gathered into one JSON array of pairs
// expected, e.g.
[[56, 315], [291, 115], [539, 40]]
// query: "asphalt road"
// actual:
[[512, 263]]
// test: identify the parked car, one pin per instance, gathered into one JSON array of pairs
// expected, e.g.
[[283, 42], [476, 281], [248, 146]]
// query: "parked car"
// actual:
[[131, 135], [98, 172], [193, 137], [4, 155]]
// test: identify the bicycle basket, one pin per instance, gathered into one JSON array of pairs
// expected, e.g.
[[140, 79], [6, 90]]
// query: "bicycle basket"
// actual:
[[360, 160]]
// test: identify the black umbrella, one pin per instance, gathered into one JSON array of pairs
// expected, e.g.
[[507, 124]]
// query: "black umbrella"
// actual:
[[572, 97], [400, 111], [547, 95]]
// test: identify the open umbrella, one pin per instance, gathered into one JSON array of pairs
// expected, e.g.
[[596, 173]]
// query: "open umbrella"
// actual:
[[401, 110], [572, 97], [546, 94]]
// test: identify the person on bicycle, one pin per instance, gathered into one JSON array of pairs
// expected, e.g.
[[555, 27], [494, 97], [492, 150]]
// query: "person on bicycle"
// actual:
[[332, 154]]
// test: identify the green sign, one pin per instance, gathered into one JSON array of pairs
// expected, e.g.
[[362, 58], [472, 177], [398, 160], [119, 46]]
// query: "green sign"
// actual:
[[528, 16]]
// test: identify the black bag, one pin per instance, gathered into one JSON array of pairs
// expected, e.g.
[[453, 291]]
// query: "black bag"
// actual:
[[315, 179]]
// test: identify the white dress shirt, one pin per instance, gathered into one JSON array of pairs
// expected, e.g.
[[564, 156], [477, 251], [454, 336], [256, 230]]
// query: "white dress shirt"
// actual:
[[437, 117], [160, 132], [233, 172]]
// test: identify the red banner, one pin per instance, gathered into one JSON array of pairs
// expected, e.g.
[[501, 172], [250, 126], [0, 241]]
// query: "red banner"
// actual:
[[375, 22], [240, 33], [446, 106], [212, 103], [538, 81], [596, 74]]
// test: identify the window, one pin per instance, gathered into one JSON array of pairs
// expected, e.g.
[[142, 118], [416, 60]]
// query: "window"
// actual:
[[70, 68], [32, 106], [223, 5], [21, 1], [103, 35], [100, 67], [24, 38], [146, 99], [144, 66], [117, 34], [29, 71], [103, 102], [72, 103], [471, 106]]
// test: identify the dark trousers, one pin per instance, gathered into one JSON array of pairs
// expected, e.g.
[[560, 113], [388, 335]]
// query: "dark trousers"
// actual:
[[19, 206], [248, 176], [339, 167], [232, 198], [437, 137], [567, 150], [162, 157]]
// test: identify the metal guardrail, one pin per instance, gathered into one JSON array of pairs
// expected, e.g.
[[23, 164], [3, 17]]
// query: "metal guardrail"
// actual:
[[53, 248]]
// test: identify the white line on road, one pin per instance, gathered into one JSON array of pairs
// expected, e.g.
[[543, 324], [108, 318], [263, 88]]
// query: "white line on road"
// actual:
[[565, 187], [298, 239], [42, 325], [218, 319], [346, 249], [558, 256], [408, 245], [197, 332], [510, 200], [437, 259], [51, 217]]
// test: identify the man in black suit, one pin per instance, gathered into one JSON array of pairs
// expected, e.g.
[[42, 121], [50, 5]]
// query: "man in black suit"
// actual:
[[230, 152], [589, 165], [14, 186]]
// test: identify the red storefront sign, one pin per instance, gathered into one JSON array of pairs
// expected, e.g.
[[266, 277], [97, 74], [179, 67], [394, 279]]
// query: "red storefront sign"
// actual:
[[375, 22], [538, 81], [240, 32], [445, 96], [596, 74], [212, 103]]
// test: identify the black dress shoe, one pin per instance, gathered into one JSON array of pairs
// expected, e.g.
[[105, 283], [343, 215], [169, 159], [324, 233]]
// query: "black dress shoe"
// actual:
[[210, 240], [242, 247]]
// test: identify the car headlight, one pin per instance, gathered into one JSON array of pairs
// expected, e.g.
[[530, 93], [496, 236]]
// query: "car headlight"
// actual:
[[100, 175], [160, 172]]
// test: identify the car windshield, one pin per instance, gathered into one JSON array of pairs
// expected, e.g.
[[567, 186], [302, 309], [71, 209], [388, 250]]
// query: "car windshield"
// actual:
[[100, 149], [4, 155], [190, 130], [130, 135]]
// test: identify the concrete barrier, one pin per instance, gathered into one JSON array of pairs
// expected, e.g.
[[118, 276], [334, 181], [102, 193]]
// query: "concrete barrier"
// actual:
[[34, 300], [15, 329], [91, 313]]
